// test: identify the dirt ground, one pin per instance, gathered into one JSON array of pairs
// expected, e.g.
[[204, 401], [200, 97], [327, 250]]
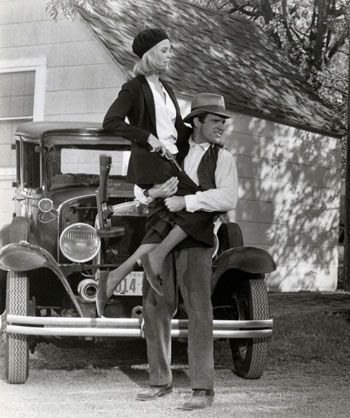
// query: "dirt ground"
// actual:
[[308, 373]]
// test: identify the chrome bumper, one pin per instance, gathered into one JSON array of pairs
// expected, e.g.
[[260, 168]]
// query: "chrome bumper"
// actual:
[[121, 327]]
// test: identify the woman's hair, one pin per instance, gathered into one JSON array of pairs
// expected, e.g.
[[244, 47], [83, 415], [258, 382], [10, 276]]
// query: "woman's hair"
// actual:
[[148, 63]]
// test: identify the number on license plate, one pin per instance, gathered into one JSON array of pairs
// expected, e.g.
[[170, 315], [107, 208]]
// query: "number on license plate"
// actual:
[[131, 285]]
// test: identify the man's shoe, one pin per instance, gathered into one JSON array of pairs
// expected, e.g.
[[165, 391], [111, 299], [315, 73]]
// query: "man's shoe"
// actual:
[[154, 392], [201, 398]]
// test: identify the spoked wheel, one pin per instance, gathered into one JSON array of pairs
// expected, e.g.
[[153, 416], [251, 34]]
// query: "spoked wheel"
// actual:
[[249, 301], [16, 346]]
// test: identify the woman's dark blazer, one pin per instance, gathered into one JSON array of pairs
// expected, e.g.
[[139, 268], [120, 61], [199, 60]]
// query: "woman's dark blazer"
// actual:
[[135, 101]]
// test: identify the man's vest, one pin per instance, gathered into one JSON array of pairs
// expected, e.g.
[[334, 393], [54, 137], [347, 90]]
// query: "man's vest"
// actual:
[[206, 179], [205, 173], [207, 167]]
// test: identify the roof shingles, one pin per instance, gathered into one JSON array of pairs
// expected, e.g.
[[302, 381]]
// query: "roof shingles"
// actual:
[[215, 52]]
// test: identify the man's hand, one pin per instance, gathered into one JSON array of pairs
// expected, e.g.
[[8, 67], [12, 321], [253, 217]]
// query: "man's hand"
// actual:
[[165, 189], [175, 203]]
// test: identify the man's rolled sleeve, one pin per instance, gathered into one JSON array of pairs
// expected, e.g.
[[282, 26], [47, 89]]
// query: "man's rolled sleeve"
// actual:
[[192, 204]]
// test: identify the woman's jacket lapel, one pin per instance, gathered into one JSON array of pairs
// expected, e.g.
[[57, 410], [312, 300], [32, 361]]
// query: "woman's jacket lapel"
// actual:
[[147, 92]]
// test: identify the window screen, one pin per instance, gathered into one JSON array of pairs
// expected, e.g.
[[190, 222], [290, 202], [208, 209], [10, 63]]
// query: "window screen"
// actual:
[[16, 94]]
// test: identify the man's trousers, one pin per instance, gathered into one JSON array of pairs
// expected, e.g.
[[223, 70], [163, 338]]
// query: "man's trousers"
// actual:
[[191, 269]]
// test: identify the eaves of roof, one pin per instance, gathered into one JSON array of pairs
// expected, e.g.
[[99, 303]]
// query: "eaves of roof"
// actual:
[[215, 52]]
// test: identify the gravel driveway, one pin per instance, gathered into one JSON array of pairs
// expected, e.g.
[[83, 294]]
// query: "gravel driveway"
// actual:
[[307, 374]]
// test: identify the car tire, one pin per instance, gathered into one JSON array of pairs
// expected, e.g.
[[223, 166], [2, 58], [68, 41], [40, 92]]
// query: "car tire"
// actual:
[[16, 345], [250, 302]]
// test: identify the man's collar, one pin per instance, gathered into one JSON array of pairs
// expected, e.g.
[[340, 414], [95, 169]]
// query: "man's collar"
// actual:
[[204, 145]]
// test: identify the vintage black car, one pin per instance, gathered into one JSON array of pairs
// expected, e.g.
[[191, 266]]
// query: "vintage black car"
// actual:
[[76, 215]]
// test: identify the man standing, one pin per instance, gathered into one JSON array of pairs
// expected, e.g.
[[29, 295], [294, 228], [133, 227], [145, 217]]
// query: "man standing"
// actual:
[[190, 264]]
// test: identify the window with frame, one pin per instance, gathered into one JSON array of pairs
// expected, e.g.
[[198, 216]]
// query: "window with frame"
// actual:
[[17, 95]]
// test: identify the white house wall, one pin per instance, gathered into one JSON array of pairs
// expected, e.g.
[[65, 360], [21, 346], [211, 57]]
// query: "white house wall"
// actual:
[[289, 178], [289, 200], [81, 78]]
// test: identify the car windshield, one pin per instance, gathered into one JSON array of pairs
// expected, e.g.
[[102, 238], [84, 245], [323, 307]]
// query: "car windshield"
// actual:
[[78, 165]]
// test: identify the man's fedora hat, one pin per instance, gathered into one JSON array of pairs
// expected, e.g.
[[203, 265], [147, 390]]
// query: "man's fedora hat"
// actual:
[[207, 103]]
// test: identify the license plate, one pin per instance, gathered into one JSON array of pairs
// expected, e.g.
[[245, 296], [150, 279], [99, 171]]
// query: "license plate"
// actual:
[[131, 285]]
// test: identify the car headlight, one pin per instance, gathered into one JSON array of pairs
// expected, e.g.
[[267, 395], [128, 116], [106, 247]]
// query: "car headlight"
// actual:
[[45, 205], [79, 242]]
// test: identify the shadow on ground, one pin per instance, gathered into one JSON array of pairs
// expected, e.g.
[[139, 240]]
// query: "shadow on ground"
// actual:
[[309, 328]]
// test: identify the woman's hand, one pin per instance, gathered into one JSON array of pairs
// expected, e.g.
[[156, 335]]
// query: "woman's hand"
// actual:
[[156, 145], [164, 190]]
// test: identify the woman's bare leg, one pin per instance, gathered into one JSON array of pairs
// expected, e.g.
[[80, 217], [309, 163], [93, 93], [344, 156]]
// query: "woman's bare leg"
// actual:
[[117, 275], [153, 260], [108, 281], [151, 256]]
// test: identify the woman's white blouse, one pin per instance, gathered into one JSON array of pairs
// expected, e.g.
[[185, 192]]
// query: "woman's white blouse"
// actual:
[[165, 117]]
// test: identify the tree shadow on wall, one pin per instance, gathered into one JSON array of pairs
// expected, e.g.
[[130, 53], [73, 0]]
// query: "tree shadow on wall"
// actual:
[[289, 200]]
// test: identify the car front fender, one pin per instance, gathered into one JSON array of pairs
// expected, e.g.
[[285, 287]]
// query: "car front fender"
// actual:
[[17, 230], [22, 256], [247, 259], [3, 276]]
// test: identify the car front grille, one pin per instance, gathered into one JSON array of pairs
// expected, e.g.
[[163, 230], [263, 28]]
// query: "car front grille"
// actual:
[[123, 247], [122, 307]]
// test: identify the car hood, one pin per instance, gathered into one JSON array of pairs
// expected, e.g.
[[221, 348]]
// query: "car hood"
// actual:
[[121, 190]]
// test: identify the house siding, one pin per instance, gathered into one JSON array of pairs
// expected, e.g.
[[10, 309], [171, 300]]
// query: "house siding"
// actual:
[[289, 179], [81, 78], [289, 199]]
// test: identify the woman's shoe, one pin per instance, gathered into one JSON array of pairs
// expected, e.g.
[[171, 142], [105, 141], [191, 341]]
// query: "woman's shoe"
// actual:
[[154, 280], [101, 295]]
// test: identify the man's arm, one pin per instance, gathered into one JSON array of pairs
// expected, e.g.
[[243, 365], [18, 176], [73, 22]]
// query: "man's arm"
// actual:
[[221, 199]]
